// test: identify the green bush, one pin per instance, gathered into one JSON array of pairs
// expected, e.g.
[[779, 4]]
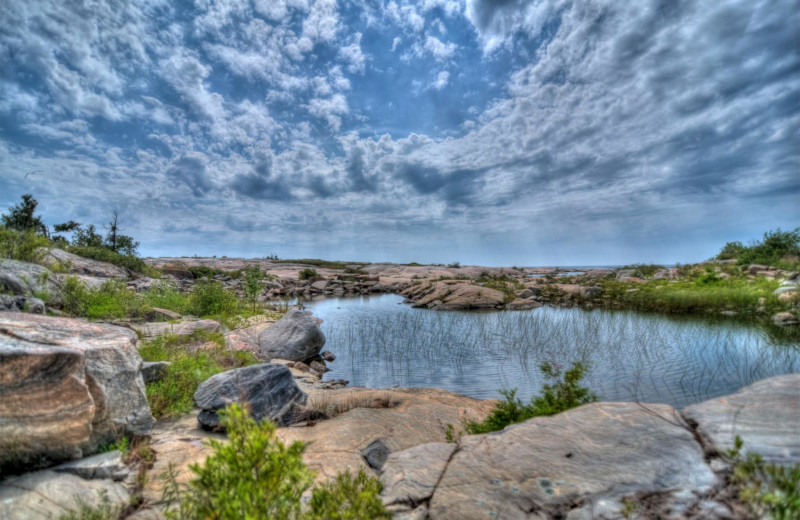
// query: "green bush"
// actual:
[[190, 366], [555, 398], [769, 490], [319, 263], [210, 298], [644, 270], [778, 248], [166, 296], [307, 274], [112, 300], [25, 246], [203, 271], [254, 476]]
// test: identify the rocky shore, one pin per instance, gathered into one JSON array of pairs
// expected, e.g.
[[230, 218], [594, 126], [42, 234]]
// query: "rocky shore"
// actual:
[[68, 386]]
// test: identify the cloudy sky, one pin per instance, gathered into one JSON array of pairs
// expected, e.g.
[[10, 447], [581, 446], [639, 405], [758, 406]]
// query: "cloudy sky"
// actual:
[[496, 132]]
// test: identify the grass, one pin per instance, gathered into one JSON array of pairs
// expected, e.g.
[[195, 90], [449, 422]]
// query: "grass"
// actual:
[[326, 405], [555, 397], [644, 270], [503, 283], [194, 358]]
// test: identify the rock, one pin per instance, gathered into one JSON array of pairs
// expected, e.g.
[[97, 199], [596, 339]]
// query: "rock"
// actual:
[[376, 454], [154, 370], [591, 292], [665, 274], [21, 304], [410, 476], [455, 296], [166, 314], [103, 465], [247, 338], [75, 264], [184, 328], [417, 416], [784, 319], [319, 285], [46, 495], [582, 462], [521, 304], [66, 387], [24, 279], [319, 367], [757, 268], [295, 337], [268, 390], [766, 415], [787, 297], [528, 292], [624, 273], [328, 356]]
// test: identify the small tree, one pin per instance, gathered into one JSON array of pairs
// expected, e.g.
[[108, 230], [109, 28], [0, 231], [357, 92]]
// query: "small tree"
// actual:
[[253, 284], [21, 217]]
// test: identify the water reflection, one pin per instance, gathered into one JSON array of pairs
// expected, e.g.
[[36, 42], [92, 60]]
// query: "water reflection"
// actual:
[[380, 342]]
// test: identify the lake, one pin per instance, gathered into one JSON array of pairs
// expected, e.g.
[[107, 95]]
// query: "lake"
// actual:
[[381, 342]]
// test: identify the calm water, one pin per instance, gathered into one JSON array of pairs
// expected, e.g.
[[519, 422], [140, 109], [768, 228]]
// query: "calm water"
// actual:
[[380, 342]]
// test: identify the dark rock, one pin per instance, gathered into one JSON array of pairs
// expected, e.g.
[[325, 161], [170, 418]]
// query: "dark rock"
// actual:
[[296, 337], [154, 370], [320, 368], [21, 304], [268, 390], [376, 454], [592, 292], [328, 356]]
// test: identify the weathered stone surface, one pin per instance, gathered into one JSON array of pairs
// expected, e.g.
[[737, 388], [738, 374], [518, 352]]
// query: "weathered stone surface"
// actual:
[[66, 386], [269, 390], [416, 416], [785, 319], [296, 337], [21, 304], [24, 279], [102, 465], [184, 328], [410, 476], [521, 304], [454, 296], [591, 292], [154, 370], [166, 314], [46, 495], [78, 265], [766, 415], [246, 338], [582, 462]]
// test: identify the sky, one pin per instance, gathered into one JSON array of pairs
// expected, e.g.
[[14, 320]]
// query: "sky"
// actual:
[[505, 132]]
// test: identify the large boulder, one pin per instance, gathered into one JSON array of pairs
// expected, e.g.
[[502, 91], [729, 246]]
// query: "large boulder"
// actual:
[[75, 264], [454, 296], [268, 390], [24, 279], [47, 495], [296, 337], [66, 387], [766, 415], [581, 464]]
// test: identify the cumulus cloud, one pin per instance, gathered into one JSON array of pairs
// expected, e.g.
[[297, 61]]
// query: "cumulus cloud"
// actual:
[[648, 122]]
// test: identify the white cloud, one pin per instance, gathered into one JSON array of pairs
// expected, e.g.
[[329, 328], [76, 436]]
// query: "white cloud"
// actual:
[[353, 56], [330, 109], [441, 80], [441, 51]]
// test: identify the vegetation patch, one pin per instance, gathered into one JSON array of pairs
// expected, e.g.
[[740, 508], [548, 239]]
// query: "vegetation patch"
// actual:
[[777, 248], [316, 262], [557, 397], [194, 358], [254, 475]]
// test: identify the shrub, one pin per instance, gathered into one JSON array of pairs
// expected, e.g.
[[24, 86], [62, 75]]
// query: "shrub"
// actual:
[[555, 398], [166, 296], [112, 300], [777, 247], [253, 284], [254, 475], [203, 271], [307, 274], [644, 270], [74, 297], [210, 298], [25, 246], [769, 490]]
